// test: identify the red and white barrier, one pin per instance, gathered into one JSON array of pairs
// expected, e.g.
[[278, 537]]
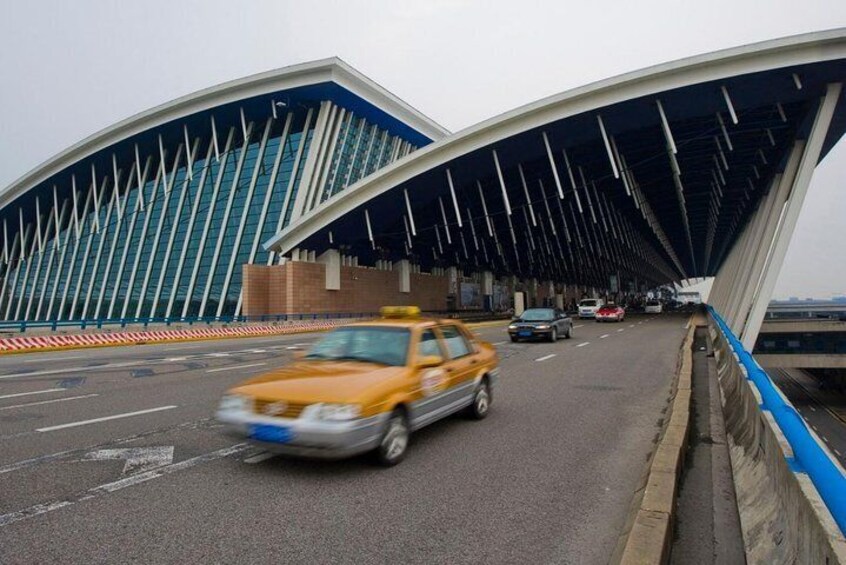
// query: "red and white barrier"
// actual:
[[20, 344]]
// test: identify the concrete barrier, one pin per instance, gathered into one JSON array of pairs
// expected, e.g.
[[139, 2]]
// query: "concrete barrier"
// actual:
[[106, 339], [648, 540], [783, 517]]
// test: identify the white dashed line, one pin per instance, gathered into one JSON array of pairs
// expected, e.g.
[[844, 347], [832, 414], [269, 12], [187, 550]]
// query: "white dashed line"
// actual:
[[838, 453], [235, 367], [218, 354], [579, 326], [48, 401], [815, 428], [583, 344], [603, 336], [545, 357], [825, 439], [621, 330], [74, 370], [639, 323], [51, 359], [499, 343], [812, 408], [631, 325], [33, 392], [104, 419]]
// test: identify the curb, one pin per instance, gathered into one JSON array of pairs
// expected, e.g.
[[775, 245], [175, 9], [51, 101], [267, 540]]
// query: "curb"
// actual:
[[651, 534]]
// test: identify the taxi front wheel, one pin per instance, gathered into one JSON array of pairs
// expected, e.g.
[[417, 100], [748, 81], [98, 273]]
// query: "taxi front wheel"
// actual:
[[394, 442]]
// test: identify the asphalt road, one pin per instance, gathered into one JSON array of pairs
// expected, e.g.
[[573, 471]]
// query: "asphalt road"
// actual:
[[804, 393], [111, 455]]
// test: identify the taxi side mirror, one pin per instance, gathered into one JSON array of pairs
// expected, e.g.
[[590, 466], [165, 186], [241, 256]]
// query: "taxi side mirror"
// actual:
[[430, 361]]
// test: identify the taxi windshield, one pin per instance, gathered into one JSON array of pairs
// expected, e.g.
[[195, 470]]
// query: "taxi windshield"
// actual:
[[368, 344]]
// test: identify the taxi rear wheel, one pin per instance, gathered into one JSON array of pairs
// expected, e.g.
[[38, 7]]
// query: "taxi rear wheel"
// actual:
[[481, 401], [394, 443]]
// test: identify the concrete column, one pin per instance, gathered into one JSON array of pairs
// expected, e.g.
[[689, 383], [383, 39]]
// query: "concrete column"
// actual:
[[331, 259], [810, 157], [519, 303], [404, 269]]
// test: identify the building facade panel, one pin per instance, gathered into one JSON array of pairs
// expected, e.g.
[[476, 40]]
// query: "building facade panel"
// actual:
[[159, 224]]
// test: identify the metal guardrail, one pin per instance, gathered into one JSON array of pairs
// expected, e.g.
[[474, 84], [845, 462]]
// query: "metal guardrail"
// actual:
[[809, 456]]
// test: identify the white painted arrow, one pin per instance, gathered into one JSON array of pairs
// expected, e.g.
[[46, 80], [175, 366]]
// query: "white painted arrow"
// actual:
[[138, 459]]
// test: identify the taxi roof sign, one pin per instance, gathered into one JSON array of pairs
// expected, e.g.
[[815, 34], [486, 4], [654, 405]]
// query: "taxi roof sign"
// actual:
[[400, 311]]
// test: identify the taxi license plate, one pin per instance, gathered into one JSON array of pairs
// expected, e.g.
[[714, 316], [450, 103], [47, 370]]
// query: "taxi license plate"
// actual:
[[272, 434], [525, 333]]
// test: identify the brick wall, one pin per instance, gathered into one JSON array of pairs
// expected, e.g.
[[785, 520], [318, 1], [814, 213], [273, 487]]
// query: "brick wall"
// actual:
[[300, 287]]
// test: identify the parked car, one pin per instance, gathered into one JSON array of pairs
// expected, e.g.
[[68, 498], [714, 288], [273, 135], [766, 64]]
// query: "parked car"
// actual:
[[366, 387], [653, 307], [546, 323], [589, 306], [610, 313]]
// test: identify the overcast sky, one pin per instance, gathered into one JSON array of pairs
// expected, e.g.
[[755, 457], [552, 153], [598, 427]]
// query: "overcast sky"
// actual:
[[68, 69]]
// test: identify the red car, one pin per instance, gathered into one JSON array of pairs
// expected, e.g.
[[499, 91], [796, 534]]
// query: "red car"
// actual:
[[610, 313]]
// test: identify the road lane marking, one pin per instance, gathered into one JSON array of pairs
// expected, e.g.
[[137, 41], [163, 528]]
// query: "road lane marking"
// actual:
[[104, 419], [39, 509], [812, 408], [218, 354], [838, 453], [74, 370], [33, 392], [583, 344], [815, 428], [579, 326], [48, 359], [499, 343], [631, 325], [621, 330], [825, 439], [545, 357], [603, 336], [138, 459], [235, 367], [49, 401]]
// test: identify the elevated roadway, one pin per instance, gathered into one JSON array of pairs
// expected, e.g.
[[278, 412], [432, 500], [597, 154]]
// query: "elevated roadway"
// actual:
[[548, 477]]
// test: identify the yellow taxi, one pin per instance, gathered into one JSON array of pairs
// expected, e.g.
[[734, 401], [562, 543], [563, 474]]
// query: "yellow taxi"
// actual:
[[365, 387]]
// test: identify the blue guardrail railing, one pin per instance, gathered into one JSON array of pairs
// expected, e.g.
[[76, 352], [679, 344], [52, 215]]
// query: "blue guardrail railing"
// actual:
[[809, 456]]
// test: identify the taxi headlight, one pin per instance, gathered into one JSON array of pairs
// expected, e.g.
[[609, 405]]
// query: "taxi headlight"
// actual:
[[543, 327], [332, 412], [512, 326], [234, 402]]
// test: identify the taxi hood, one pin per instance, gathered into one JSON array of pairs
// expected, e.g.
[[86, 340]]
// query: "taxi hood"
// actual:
[[319, 381]]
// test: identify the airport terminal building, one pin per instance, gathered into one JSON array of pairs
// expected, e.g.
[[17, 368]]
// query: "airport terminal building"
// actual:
[[312, 189]]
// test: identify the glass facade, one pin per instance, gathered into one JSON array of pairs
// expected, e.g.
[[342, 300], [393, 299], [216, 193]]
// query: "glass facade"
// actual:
[[163, 233]]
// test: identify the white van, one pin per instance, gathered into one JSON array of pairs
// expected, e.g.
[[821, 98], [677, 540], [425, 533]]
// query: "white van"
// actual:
[[589, 306], [653, 307]]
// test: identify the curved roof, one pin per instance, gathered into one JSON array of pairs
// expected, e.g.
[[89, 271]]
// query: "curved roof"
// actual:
[[331, 70], [789, 52]]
